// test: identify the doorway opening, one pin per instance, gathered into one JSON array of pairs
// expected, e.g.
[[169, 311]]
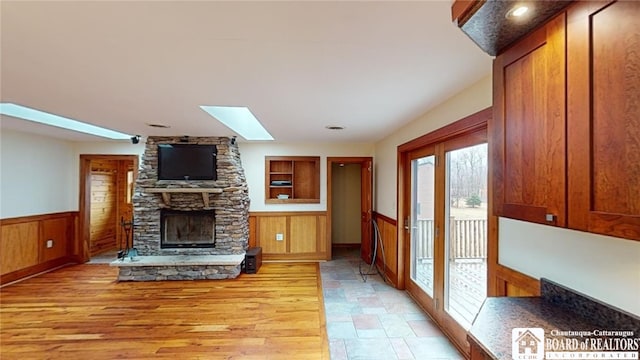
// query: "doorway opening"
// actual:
[[106, 192], [443, 204], [349, 205]]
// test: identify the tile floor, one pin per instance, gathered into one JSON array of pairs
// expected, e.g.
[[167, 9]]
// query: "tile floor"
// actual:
[[372, 320]]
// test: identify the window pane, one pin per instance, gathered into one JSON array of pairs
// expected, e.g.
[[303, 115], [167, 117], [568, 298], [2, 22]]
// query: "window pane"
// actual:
[[422, 220], [466, 233]]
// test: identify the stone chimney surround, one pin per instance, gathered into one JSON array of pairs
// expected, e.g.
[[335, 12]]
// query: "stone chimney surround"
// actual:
[[228, 197]]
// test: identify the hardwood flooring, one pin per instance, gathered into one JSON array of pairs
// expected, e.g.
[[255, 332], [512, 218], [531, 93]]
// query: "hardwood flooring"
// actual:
[[81, 312]]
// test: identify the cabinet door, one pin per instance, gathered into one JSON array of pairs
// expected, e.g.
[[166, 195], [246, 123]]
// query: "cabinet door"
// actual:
[[603, 54], [528, 135]]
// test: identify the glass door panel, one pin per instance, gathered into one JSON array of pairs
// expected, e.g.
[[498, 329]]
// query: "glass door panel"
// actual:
[[466, 232], [422, 222]]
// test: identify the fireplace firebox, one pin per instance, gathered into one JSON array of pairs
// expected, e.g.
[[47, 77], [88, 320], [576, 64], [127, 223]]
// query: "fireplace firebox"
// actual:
[[187, 229]]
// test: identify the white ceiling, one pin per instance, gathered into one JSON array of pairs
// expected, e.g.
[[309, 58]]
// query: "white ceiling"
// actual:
[[299, 66]]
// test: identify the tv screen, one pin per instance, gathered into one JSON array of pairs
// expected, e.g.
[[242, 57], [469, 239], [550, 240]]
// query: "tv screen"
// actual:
[[187, 162]]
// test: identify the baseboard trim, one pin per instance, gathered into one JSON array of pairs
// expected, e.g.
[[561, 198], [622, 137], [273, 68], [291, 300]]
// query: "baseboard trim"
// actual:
[[35, 270]]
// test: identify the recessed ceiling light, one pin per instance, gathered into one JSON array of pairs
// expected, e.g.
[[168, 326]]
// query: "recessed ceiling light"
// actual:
[[239, 119], [26, 113], [161, 126], [334, 127], [517, 11]]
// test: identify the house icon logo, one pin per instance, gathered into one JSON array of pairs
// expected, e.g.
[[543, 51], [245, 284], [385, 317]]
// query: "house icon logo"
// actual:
[[527, 344]]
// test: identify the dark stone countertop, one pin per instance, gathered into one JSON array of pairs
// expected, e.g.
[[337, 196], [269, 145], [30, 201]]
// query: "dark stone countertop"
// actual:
[[493, 326]]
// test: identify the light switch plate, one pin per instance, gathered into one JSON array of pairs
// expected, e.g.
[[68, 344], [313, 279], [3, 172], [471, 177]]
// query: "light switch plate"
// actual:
[[279, 237], [49, 243]]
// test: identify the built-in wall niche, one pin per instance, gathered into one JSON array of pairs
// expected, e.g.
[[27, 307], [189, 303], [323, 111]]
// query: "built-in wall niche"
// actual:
[[292, 179]]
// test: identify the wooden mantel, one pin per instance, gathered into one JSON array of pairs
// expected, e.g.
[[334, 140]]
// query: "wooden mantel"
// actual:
[[166, 193]]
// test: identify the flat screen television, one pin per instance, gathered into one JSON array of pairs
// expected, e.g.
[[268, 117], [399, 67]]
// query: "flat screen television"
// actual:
[[187, 162]]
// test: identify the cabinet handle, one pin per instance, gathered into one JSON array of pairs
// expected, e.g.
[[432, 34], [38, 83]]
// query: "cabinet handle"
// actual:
[[550, 218]]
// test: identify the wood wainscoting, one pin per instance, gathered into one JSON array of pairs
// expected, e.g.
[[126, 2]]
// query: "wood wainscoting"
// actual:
[[303, 235], [389, 233], [23, 244]]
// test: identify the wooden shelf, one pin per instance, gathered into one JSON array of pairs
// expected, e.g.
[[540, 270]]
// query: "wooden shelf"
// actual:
[[166, 193], [303, 172]]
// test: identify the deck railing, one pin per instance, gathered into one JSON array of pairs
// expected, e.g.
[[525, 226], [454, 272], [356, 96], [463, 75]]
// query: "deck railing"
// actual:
[[467, 239]]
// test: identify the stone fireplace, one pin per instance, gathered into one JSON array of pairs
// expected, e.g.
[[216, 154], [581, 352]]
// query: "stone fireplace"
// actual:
[[206, 218]]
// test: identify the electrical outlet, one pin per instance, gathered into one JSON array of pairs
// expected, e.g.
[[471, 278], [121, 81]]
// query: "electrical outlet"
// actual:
[[49, 244], [279, 237]]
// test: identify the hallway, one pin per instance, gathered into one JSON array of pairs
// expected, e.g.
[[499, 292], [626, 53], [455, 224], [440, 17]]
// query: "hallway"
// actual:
[[372, 320]]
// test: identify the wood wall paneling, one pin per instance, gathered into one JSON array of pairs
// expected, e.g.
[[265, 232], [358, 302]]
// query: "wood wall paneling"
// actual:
[[20, 246], [54, 231], [322, 240], [389, 234], [268, 228], [303, 234], [23, 244], [252, 231]]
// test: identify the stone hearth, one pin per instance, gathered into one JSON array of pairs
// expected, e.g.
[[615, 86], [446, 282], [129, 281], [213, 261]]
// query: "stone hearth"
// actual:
[[227, 196]]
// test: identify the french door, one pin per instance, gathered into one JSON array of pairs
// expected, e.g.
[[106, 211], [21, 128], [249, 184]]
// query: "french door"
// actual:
[[445, 198]]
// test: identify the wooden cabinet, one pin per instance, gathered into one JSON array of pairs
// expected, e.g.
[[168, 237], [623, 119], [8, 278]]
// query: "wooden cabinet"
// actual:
[[603, 114], [528, 129], [292, 179], [566, 130], [477, 353]]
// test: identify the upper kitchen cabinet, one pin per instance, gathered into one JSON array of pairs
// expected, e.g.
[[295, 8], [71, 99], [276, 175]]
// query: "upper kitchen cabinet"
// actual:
[[527, 134], [603, 117], [565, 135]]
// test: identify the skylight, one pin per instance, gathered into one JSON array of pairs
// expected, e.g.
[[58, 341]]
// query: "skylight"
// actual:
[[42, 117], [239, 119]]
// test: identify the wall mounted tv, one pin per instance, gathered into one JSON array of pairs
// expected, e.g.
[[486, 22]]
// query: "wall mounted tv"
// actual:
[[187, 162]]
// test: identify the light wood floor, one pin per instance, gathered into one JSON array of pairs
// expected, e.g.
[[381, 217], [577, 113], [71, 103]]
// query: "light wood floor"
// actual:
[[80, 312]]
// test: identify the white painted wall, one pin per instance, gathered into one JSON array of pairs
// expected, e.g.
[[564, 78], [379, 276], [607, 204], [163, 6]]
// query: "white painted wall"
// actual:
[[253, 155], [471, 100], [36, 174], [603, 267]]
